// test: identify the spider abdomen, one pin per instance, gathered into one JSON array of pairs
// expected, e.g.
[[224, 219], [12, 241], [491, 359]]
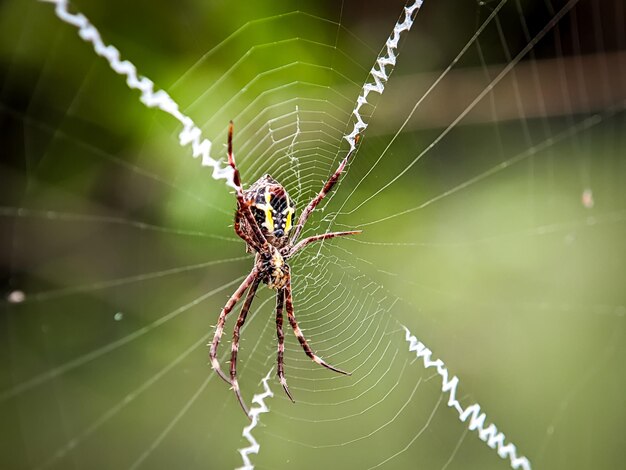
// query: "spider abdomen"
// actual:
[[272, 208]]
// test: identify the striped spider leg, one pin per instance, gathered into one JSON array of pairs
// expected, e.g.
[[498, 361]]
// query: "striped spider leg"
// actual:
[[264, 221]]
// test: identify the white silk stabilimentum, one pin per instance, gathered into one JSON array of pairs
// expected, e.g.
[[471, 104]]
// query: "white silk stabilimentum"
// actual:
[[379, 71], [190, 134], [489, 434], [255, 411]]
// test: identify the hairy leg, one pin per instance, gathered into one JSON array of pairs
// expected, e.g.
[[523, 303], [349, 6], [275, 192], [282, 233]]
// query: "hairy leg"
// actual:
[[296, 329], [280, 300], [235, 344], [219, 328], [250, 241], [258, 239], [325, 190], [325, 236]]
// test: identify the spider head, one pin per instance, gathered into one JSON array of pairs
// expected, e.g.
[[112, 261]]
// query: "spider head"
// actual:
[[273, 209]]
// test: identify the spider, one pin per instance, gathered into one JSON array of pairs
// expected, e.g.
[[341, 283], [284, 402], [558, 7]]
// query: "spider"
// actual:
[[263, 219]]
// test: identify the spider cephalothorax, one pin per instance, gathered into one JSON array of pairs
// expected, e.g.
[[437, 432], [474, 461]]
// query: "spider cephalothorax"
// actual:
[[274, 268], [264, 220]]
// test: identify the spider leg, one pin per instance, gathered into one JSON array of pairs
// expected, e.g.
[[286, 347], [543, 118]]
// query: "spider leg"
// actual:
[[325, 190], [280, 300], [219, 328], [296, 329], [243, 235], [243, 206], [302, 243], [235, 345]]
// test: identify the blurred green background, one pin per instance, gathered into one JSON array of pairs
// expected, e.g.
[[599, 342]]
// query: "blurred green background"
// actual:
[[493, 230]]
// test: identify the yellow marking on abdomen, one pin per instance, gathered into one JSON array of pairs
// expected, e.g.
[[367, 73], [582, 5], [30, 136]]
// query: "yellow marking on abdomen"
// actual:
[[269, 219], [288, 221]]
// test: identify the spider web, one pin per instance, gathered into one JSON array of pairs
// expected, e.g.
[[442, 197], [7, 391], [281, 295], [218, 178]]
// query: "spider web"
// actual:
[[488, 183]]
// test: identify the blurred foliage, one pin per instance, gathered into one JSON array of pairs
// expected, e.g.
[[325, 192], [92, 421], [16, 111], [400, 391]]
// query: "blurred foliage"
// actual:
[[507, 274]]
